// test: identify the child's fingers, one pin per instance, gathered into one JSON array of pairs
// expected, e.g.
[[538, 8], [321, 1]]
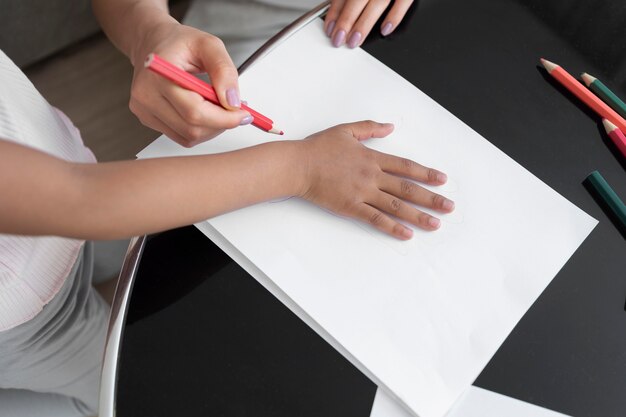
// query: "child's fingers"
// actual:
[[403, 211], [349, 14], [395, 16], [367, 129], [408, 168], [409, 191], [365, 22], [376, 218]]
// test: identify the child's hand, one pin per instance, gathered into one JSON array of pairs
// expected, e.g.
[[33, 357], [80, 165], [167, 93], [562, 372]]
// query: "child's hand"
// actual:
[[350, 21], [184, 115], [351, 180]]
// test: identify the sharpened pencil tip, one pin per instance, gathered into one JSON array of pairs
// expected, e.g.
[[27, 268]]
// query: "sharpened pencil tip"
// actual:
[[608, 126], [549, 66], [276, 131], [587, 79], [148, 60]]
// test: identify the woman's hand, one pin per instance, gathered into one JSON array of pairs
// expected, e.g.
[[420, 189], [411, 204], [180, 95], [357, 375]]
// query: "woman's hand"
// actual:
[[344, 176], [350, 21], [184, 115]]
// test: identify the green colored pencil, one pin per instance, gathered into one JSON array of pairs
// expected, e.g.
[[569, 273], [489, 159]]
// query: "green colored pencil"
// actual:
[[604, 93], [610, 198]]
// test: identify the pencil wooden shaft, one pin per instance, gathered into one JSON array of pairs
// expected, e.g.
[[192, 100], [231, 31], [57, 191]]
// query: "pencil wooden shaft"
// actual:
[[189, 82], [606, 193], [609, 97], [587, 97], [619, 140]]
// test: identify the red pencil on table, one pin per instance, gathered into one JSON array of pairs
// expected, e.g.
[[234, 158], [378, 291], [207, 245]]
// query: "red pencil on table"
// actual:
[[189, 82], [580, 91], [616, 135]]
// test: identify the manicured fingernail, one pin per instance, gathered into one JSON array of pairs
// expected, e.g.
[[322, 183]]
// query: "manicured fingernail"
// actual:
[[386, 30], [434, 222], [448, 205], [407, 232], [441, 177], [354, 40], [330, 28], [246, 120], [233, 98], [339, 38]]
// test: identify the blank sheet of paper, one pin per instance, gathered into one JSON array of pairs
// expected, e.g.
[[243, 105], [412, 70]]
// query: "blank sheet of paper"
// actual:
[[474, 402], [423, 317]]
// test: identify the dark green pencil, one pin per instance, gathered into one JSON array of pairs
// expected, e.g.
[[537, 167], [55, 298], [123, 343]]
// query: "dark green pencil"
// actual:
[[604, 93], [610, 198]]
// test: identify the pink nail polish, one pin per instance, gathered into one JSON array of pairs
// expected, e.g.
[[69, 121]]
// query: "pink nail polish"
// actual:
[[246, 120], [441, 177], [339, 38], [330, 28], [407, 232], [354, 40], [386, 30], [233, 98]]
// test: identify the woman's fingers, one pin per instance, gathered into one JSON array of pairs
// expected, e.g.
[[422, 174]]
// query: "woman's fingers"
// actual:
[[350, 12], [198, 112], [395, 16], [183, 115], [194, 119], [366, 22], [350, 21], [215, 61], [148, 119], [331, 16]]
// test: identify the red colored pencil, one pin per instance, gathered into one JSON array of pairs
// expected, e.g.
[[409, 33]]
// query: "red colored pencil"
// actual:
[[189, 82], [584, 94], [616, 136]]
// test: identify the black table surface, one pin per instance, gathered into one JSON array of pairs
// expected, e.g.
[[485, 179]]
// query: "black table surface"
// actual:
[[203, 338]]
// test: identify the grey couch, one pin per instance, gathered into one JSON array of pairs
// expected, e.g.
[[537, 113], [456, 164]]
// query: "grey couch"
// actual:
[[31, 30]]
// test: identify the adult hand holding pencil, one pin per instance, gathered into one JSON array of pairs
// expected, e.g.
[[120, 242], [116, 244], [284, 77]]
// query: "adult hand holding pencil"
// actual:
[[189, 82], [183, 115]]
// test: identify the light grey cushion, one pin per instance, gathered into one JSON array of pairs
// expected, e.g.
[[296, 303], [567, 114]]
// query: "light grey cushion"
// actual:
[[34, 29]]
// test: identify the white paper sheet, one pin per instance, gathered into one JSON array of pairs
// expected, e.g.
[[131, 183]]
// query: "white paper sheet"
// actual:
[[474, 402], [421, 318]]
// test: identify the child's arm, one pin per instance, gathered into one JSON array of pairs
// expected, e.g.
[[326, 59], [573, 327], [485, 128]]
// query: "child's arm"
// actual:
[[43, 195]]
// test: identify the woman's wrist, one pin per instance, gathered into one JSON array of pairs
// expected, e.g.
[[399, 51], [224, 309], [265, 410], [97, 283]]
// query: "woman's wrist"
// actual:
[[150, 29]]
